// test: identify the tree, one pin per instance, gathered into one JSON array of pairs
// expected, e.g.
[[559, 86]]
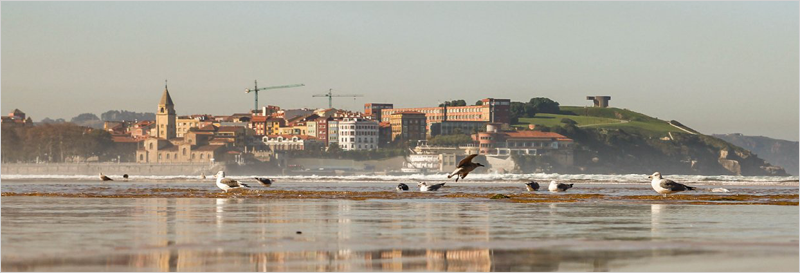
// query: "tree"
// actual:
[[88, 120], [334, 148], [84, 117], [11, 144], [479, 103], [454, 103], [530, 108], [544, 105], [521, 110], [115, 115]]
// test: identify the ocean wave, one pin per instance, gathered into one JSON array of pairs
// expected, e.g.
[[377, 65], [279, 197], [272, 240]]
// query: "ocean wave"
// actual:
[[618, 178]]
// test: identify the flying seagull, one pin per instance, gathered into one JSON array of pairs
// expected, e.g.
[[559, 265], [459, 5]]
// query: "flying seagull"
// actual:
[[423, 186], [666, 186], [464, 167], [227, 183], [402, 187], [266, 182], [532, 186], [105, 178], [554, 187]]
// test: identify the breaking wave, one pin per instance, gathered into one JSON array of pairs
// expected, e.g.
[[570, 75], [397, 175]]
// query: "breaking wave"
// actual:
[[607, 178]]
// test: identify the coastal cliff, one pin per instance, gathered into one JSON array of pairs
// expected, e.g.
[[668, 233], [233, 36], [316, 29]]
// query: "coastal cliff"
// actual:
[[641, 144]]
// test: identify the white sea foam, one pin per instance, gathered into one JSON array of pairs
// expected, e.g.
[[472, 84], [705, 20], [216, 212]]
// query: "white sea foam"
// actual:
[[600, 178]]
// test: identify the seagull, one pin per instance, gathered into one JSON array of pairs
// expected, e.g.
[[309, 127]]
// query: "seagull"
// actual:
[[464, 167], [105, 178], [554, 187], [266, 182], [402, 187], [423, 186], [202, 175], [666, 186], [227, 183], [125, 176], [532, 186]]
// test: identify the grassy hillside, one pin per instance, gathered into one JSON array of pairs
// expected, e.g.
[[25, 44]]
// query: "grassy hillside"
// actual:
[[551, 120], [603, 118]]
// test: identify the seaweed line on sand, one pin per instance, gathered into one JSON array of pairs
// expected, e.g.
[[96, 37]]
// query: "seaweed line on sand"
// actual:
[[694, 199]]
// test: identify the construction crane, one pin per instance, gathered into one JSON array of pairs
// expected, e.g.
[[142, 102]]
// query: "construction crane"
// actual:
[[330, 96], [256, 89]]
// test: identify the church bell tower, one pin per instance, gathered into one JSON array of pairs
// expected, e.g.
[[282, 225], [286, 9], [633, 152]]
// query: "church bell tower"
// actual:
[[165, 117]]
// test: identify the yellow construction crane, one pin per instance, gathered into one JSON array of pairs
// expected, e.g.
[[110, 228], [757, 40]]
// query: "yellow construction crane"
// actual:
[[330, 96], [256, 89]]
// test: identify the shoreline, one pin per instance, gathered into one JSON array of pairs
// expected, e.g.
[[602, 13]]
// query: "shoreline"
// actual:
[[132, 179], [524, 197]]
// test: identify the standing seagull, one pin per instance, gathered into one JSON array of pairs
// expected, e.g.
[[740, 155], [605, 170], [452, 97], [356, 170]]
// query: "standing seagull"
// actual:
[[105, 178], [125, 176], [554, 187], [423, 186], [202, 175], [402, 187], [227, 183], [532, 186], [266, 182], [666, 186], [464, 167]]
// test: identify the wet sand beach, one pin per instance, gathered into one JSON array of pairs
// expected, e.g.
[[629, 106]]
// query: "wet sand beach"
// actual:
[[56, 225]]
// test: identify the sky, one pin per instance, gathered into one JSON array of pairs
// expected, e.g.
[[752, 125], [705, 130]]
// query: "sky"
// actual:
[[718, 67]]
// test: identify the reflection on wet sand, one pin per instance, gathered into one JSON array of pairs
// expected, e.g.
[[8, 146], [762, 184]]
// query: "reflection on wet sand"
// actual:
[[184, 234]]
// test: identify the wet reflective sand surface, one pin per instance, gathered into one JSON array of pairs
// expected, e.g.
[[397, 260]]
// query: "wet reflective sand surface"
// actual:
[[421, 234]]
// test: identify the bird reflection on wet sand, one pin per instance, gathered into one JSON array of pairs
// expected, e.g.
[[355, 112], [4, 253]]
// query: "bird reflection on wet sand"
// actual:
[[241, 234]]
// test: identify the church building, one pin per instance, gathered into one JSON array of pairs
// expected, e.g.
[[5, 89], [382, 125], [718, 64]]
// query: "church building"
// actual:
[[163, 146]]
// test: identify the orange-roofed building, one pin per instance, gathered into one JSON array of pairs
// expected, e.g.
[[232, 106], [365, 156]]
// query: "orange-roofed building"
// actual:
[[500, 143]]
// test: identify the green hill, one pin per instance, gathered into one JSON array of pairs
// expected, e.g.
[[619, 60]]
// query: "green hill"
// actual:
[[603, 118], [613, 140]]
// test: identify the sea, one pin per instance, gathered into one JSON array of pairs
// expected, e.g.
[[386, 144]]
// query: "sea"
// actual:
[[434, 233]]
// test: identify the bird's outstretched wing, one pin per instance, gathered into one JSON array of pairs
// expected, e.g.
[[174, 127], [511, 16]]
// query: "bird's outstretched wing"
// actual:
[[466, 160]]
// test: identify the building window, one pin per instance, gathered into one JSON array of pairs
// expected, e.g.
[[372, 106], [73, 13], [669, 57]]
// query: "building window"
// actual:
[[202, 156], [141, 157], [167, 156], [151, 145], [184, 151]]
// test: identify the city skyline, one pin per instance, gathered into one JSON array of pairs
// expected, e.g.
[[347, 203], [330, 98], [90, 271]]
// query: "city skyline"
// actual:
[[716, 67]]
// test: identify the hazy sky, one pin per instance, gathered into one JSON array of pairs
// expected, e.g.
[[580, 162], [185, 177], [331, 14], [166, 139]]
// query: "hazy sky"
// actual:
[[719, 67]]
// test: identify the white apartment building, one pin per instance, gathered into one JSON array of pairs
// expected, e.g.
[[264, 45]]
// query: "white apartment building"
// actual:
[[291, 142], [358, 134]]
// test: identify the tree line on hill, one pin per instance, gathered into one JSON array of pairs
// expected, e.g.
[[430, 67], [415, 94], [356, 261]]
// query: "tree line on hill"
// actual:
[[59, 142], [91, 120]]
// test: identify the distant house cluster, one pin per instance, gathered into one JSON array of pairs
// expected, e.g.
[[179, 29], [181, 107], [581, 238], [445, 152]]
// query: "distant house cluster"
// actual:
[[17, 118], [216, 138]]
